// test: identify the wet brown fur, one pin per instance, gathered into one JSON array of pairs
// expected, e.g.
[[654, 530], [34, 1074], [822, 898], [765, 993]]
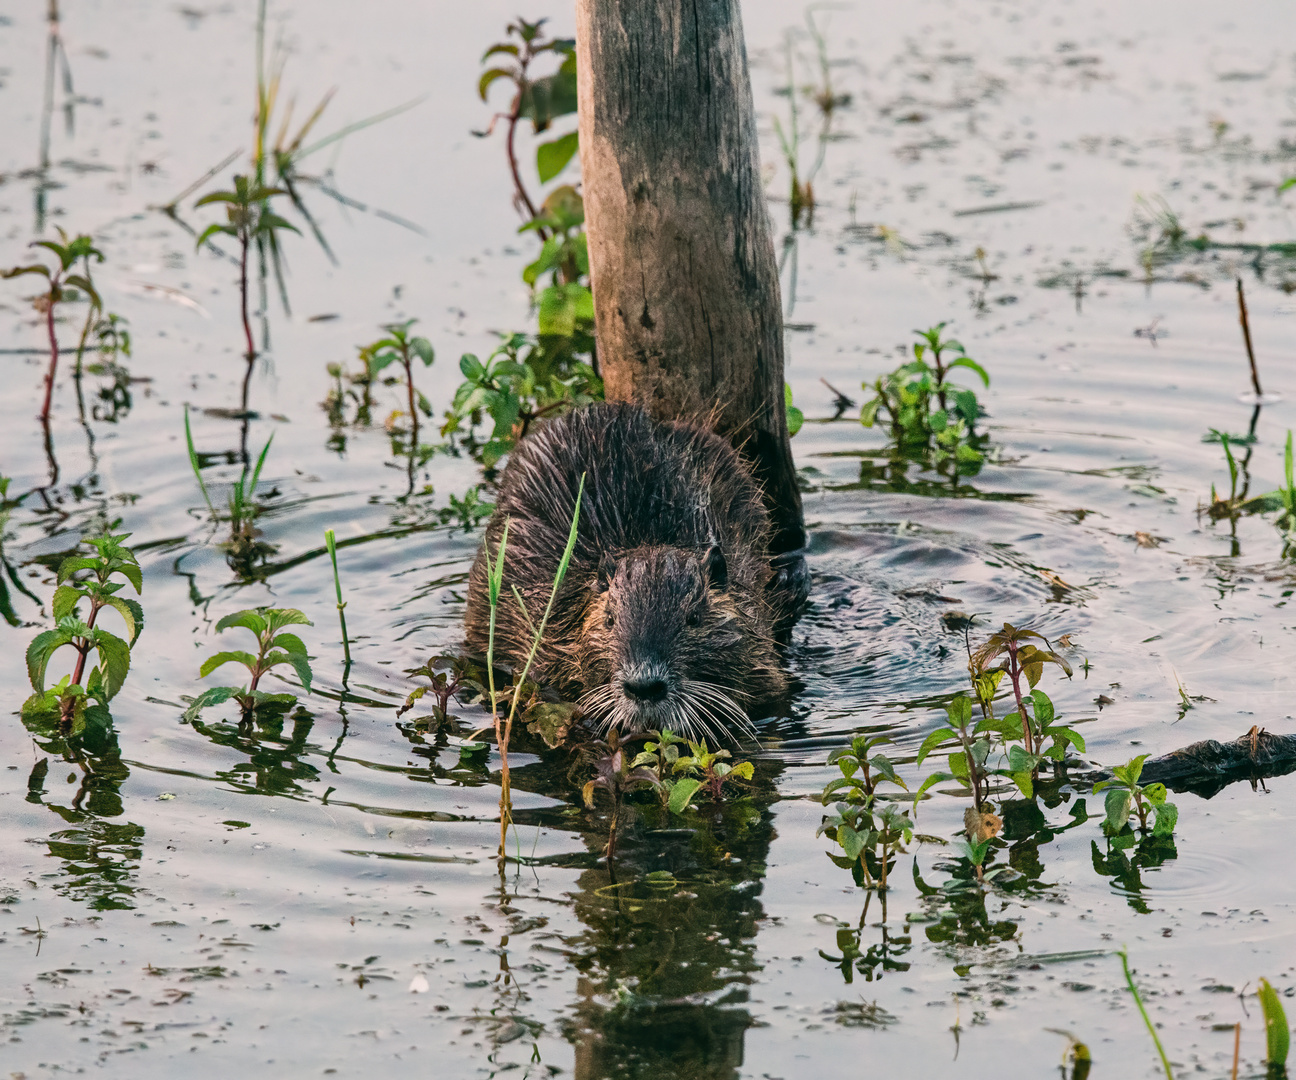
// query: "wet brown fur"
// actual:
[[671, 543]]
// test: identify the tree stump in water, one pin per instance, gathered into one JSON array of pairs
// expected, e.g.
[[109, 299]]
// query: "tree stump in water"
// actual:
[[686, 290]]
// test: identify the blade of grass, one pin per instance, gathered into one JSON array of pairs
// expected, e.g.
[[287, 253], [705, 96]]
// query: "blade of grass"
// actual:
[[1129, 981], [193, 463], [331, 544]]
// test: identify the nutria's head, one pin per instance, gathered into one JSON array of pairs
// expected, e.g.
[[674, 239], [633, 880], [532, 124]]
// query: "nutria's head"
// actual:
[[664, 645]]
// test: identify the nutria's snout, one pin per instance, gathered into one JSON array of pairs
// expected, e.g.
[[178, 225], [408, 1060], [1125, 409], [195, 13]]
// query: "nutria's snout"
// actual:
[[644, 686]]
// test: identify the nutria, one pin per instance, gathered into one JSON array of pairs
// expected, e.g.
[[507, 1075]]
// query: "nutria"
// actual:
[[665, 618]]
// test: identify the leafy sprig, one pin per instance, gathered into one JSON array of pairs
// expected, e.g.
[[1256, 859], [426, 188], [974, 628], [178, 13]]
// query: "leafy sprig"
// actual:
[[275, 646], [86, 579]]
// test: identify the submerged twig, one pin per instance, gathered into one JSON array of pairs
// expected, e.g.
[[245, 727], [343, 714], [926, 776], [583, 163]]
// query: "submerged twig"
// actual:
[[1246, 337]]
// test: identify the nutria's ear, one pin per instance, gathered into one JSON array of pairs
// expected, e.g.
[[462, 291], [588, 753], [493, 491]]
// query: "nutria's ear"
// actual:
[[717, 571], [606, 572]]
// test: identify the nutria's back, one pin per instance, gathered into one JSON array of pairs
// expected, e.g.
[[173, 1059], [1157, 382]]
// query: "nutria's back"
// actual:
[[665, 617]]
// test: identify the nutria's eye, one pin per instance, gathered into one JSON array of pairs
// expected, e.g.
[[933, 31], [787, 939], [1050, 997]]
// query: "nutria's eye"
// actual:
[[694, 619], [609, 619]]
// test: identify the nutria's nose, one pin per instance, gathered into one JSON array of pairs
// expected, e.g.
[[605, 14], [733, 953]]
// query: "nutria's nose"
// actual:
[[646, 689]]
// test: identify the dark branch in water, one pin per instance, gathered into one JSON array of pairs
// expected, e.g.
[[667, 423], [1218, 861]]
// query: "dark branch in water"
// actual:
[[1246, 337]]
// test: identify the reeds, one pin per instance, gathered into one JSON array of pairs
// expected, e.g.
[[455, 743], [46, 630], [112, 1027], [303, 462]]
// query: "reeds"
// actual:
[[494, 587]]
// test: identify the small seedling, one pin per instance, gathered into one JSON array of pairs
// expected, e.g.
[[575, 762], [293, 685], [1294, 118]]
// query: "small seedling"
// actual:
[[923, 409], [1126, 796], [468, 512], [86, 578], [62, 284], [868, 832], [401, 347], [540, 100], [447, 675], [275, 646], [705, 770], [243, 509], [616, 775], [249, 220]]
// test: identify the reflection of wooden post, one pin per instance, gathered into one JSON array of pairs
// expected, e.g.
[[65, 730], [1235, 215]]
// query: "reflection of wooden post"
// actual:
[[686, 291]]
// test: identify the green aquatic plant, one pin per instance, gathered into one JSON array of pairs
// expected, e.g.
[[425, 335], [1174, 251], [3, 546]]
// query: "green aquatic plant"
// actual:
[[249, 220], [242, 507], [467, 512], [518, 384], [446, 674], [557, 365], [539, 100], [403, 348], [87, 579], [703, 770], [275, 647], [923, 410], [63, 284], [868, 830], [1126, 797]]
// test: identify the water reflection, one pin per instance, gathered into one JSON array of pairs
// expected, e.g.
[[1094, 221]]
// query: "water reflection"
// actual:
[[100, 858], [276, 762], [1126, 857], [669, 950]]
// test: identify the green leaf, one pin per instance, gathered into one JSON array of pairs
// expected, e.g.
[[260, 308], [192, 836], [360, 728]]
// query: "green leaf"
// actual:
[[128, 610], [422, 348], [115, 657], [1020, 761], [1043, 708], [852, 842], [1024, 784], [290, 643], [1167, 817], [277, 618], [66, 598], [302, 666], [74, 563], [552, 157], [682, 794], [1134, 768], [883, 767], [212, 230], [1277, 1034], [1155, 793], [1066, 734], [248, 618], [960, 711], [1117, 806], [972, 365], [219, 659], [137, 613], [744, 770], [958, 765], [490, 75], [934, 778], [39, 652], [213, 696]]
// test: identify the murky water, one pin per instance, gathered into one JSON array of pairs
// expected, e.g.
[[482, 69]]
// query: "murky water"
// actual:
[[196, 897]]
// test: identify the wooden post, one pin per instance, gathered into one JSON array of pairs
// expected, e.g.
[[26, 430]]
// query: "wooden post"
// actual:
[[686, 290]]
